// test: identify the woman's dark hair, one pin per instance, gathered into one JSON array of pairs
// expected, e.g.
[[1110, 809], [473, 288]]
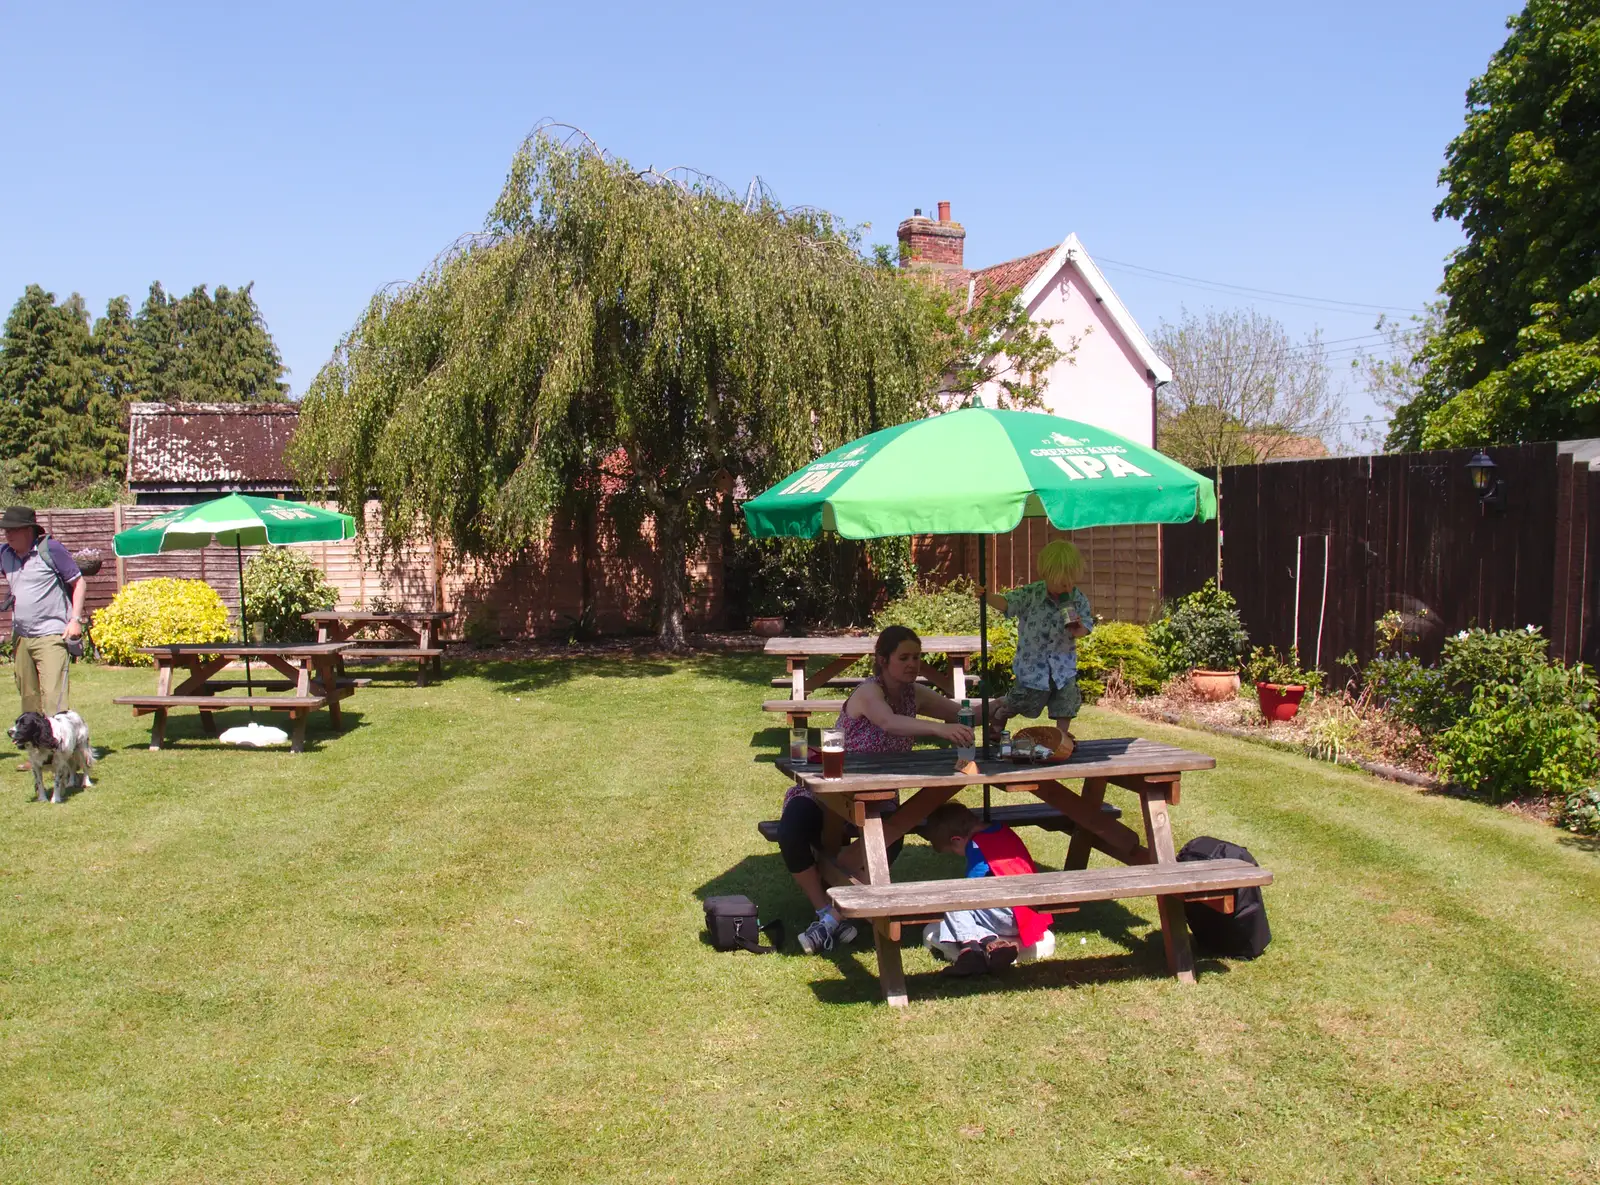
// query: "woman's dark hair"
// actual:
[[890, 640]]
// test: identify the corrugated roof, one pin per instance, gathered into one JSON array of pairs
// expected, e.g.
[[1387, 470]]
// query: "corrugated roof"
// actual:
[[188, 444]]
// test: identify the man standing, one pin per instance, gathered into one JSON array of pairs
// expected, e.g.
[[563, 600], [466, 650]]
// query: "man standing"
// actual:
[[46, 610]]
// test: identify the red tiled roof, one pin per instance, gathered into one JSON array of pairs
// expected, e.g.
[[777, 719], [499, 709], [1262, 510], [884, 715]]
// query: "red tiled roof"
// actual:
[[1270, 446], [189, 444], [1013, 273]]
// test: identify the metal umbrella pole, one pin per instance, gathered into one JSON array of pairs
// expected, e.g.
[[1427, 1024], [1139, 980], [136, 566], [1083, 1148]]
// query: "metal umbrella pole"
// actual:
[[244, 630], [983, 653]]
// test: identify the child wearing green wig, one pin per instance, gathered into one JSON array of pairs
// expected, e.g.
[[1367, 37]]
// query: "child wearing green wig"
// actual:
[[1051, 615]]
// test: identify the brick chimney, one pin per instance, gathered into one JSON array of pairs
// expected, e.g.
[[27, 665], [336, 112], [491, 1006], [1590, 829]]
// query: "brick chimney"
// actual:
[[926, 243]]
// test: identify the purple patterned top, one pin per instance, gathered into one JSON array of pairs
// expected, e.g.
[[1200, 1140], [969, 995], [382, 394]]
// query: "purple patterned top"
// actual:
[[861, 735]]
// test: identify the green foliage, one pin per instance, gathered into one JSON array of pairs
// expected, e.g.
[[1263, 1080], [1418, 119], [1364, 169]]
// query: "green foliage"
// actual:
[[953, 609], [1580, 812], [280, 584], [1267, 665], [1534, 734], [65, 390], [158, 612], [1201, 631], [829, 581], [1408, 690], [482, 627], [1121, 647], [47, 387], [614, 316], [1518, 355]]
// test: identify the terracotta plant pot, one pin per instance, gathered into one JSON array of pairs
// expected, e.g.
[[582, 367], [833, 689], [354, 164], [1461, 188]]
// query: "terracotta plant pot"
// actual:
[[1215, 686], [1279, 701], [767, 627]]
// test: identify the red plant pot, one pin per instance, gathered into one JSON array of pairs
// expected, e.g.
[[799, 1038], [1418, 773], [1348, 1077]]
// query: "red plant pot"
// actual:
[[766, 627], [1279, 701]]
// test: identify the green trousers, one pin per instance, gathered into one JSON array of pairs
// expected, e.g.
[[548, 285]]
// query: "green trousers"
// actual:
[[41, 666]]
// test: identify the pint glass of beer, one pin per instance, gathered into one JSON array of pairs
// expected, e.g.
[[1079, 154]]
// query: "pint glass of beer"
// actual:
[[833, 752]]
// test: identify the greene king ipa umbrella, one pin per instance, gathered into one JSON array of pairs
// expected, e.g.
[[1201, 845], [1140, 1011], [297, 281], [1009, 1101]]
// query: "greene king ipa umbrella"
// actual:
[[980, 471], [243, 521]]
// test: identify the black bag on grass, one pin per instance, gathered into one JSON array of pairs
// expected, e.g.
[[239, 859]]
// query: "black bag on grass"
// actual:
[[1244, 932], [733, 925]]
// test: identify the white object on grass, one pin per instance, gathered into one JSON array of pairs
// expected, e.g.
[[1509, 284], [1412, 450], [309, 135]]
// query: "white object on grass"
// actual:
[[258, 735]]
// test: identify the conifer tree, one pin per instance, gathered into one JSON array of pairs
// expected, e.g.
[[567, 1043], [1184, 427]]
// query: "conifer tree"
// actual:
[[47, 382]]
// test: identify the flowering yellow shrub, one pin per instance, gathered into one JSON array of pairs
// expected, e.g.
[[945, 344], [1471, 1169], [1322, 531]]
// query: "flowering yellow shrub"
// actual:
[[156, 613]]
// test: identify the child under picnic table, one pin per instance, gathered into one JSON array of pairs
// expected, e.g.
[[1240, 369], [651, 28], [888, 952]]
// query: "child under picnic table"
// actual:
[[978, 940], [1051, 615]]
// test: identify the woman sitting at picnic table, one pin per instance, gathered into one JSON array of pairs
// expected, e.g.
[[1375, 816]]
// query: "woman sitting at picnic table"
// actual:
[[881, 716]]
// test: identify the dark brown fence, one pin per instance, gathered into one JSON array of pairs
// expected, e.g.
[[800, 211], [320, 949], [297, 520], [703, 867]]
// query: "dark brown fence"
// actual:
[[1317, 551]]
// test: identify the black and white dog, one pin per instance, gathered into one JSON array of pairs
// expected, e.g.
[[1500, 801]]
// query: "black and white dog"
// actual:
[[61, 742]]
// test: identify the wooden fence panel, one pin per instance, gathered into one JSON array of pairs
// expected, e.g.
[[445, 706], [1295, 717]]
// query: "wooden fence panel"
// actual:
[[1321, 549]]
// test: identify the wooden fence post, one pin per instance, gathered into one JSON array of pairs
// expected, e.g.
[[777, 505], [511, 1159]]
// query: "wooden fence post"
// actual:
[[116, 526]]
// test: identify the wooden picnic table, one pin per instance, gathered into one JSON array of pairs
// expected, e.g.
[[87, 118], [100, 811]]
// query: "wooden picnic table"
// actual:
[[837, 653], [867, 797], [420, 629], [309, 671]]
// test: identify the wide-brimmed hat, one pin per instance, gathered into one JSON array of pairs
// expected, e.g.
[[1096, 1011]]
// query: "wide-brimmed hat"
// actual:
[[18, 516]]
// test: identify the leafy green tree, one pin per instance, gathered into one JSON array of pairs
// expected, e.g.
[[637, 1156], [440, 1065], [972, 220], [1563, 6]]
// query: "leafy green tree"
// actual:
[[205, 349], [47, 383], [1518, 356], [613, 319], [119, 380]]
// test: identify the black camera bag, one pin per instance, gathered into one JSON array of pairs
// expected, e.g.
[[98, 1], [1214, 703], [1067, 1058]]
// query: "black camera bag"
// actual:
[[1244, 932], [733, 925]]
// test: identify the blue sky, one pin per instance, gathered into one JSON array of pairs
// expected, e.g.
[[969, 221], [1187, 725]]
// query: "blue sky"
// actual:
[[323, 150]]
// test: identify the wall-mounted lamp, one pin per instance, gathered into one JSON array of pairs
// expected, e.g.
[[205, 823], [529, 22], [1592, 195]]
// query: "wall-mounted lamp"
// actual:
[[1491, 489]]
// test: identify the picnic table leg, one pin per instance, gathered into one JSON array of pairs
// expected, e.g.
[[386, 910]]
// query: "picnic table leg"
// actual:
[[797, 677], [208, 722], [958, 678], [891, 974], [1174, 927], [297, 742], [158, 728], [327, 673], [1093, 795]]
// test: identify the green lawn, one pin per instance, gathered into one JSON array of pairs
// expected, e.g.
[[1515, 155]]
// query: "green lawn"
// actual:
[[460, 942]]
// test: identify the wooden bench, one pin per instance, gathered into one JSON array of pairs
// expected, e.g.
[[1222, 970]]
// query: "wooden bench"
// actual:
[[273, 684], [800, 711], [299, 708], [425, 656], [1023, 814], [848, 682], [1211, 881]]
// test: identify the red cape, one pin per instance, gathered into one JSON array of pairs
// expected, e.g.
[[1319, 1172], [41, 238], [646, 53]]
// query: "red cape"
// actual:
[[1007, 855]]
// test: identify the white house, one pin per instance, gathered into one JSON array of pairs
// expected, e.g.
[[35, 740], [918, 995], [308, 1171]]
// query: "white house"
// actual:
[[1110, 378]]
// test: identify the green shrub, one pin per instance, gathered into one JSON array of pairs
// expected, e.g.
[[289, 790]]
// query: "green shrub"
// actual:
[[1119, 646], [1202, 631], [1477, 658], [1581, 812], [280, 584], [482, 627], [1408, 691], [1535, 731], [952, 609], [158, 612]]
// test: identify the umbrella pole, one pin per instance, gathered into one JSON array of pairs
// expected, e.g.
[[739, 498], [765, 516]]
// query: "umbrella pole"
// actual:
[[244, 630], [983, 652]]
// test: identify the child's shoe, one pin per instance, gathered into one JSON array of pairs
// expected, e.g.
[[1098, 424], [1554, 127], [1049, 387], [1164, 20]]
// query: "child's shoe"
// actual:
[[969, 960], [999, 953], [825, 933]]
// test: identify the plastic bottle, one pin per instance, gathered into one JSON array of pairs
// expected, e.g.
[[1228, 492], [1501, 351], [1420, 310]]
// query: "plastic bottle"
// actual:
[[969, 751]]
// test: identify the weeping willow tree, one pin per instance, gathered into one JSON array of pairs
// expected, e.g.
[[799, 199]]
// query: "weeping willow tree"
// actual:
[[615, 322]]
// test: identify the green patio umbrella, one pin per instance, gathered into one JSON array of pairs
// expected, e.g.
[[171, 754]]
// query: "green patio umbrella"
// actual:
[[980, 471], [243, 521]]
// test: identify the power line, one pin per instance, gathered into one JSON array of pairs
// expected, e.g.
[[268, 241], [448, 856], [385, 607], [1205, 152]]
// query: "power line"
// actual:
[[1291, 298]]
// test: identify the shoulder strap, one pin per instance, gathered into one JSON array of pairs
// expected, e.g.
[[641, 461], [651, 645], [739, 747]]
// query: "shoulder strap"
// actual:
[[50, 562], [773, 930]]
